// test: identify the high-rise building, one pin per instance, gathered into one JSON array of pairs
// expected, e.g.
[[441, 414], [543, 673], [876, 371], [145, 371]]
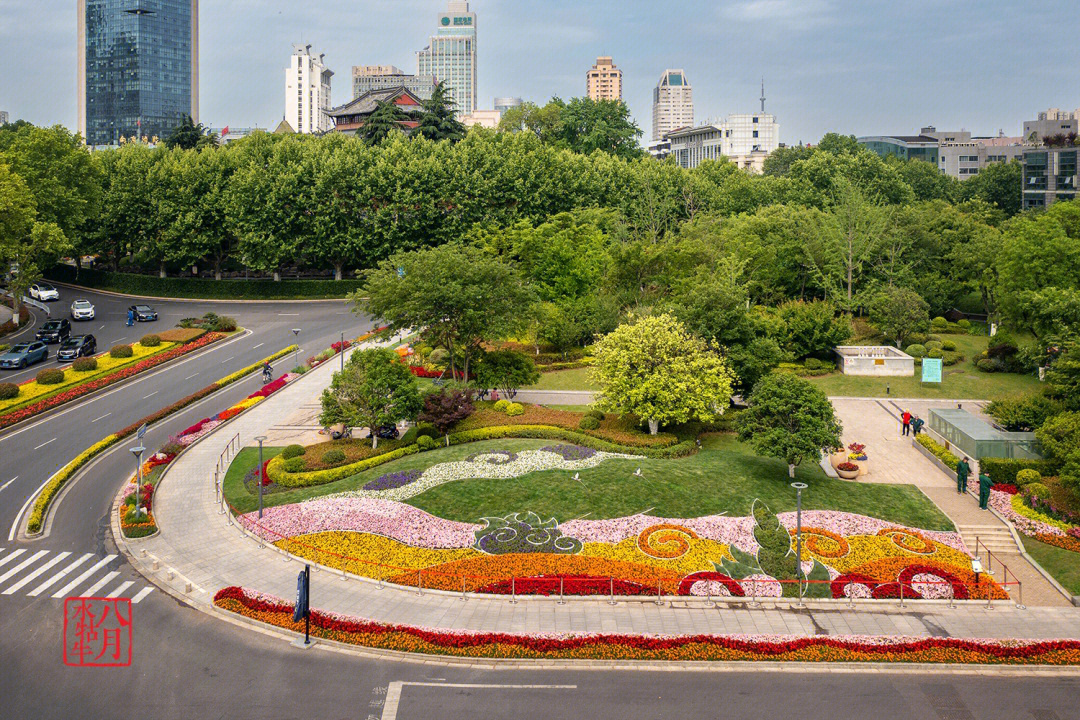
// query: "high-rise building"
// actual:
[[1050, 175], [307, 92], [366, 78], [604, 80], [502, 104], [673, 104], [138, 68], [745, 140], [4, 117], [450, 55]]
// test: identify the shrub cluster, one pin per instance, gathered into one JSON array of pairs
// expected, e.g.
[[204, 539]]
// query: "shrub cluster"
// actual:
[[8, 391], [589, 423], [121, 351], [293, 451], [501, 405], [516, 409], [1027, 476], [50, 376], [426, 442], [85, 364], [150, 340], [1004, 471], [333, 457], [295, 465], [938, 451]]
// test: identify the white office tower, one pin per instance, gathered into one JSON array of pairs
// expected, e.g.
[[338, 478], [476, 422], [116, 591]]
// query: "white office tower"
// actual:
[[307, 92], [451, 55], [673, 103]]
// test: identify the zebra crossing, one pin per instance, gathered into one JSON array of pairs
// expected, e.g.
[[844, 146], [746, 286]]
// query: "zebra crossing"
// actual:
[[67, 574]]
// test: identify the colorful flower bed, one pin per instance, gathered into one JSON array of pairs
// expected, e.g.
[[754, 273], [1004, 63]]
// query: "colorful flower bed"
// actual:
[[1032, 523], [571, 646], [844, 555]]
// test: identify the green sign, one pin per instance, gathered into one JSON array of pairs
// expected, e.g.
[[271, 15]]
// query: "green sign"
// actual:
[[931, 370], [446, 21]]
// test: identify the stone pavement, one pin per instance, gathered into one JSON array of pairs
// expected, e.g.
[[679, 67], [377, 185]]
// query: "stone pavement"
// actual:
[[199, 552]]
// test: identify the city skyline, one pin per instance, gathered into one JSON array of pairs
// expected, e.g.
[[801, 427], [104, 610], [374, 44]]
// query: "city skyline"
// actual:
[[827, 68]]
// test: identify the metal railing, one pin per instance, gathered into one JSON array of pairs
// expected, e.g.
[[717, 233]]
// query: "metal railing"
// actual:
[[225, 459], [990, 558]]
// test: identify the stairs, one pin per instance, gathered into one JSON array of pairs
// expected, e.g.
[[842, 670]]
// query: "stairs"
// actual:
[[995, 538]]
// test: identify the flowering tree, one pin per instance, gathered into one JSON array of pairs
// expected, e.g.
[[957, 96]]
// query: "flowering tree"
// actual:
[[655, 369]]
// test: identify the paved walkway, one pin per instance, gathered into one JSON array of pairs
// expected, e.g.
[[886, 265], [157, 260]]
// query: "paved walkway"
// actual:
[[198, 552]]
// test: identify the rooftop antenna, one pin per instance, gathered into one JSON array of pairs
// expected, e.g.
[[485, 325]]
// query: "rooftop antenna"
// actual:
[[762, 95]]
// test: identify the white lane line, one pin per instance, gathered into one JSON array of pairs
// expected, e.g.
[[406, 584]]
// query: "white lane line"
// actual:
[[150, 395], [229, 358], [101, 418], [32, 576], [258, 346], [288, 314], [393, 692], [120, 588], [23, 565], [4, 486], [141, 594], [56, 578], [18, 517], [101, 328], [119, 339], [44, 444], [67, 588], [8, 558], [190, 376], [89, 592]]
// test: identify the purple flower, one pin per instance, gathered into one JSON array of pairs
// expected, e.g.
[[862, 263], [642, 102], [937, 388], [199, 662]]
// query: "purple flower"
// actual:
[[393, 480]]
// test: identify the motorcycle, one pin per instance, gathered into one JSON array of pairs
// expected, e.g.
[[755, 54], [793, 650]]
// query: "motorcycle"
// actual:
[[267, 375]]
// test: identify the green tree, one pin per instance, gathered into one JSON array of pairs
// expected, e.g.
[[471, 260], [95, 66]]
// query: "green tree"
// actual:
[[791, 419], [196, 202], [1000, 184], [855, 230], [190, 135], [506, 371], [587, 125], [557, 328], [812, 328], [543, 122], [780, 160], [457, 296], [129, 209], [1060, 439], [656, 370], [1063, 377], [927, 182], [839, 144], [384, 121], [898, 313], [375, 389], [439, 119], [1037, 253]]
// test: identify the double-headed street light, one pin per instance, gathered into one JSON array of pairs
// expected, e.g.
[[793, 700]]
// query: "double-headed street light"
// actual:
[[799, 487], [138, 453], [342, 351], [296, 350], [261, 439]]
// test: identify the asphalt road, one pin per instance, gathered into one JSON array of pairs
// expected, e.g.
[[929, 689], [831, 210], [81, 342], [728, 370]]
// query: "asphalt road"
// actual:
[[188, 664]]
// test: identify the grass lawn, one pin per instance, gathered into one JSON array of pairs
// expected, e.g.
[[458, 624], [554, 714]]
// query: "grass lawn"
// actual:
[[960, 381], [235, 492], [725, 476], [1063, 564], [576, 379]]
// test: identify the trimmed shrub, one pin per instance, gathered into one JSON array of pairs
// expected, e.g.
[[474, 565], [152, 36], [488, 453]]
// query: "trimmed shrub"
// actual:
[[293, 451], [50, 376], [964, 323], [989, 365], [934, 345], [439, 357], [121, 351], [594, 413], [938, 451], [502, 405], [333, 457], [426, 431], [939, 323], [816, 364], [589, 423], [1003, 471], [150, 340], [8, 391], [1027, 476], [515, 409], [426, 442], [295, 465], [935, 353], [949, 346], [1038, 490], [84, 364], [916, 350]]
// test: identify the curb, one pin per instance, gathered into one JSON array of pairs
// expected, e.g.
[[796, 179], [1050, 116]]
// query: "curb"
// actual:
[[194, 300]]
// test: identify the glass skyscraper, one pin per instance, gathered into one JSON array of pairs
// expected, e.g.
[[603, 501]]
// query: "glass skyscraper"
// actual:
[[451, 55], [138, 67]]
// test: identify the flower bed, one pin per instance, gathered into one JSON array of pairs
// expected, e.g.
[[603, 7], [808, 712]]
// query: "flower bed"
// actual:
[[567, 646], [1031, 523], [612, 429]]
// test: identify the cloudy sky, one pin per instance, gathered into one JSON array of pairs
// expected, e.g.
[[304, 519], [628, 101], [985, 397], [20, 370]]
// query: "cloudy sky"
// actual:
[[866, 67]]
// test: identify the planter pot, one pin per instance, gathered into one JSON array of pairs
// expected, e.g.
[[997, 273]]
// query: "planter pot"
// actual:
[[847, 474]]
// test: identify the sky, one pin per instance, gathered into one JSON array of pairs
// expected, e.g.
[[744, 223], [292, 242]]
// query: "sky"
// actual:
[[862, 68]]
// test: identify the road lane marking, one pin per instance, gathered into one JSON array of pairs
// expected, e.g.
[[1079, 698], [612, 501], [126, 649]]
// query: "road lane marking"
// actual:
[[7, 558], [190, 376], [141, 594], [229, 358], [145, 397], [67, 588], [101, 328], [288, 314], [41, 570], [119, 589], [119, 339], [23, 565], [44, 444], [89, 592], [4, 486], [101, 418], [56, 578], [393, 692], [258, 346]]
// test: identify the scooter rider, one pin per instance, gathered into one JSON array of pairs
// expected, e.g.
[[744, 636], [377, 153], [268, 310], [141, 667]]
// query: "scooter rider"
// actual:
[[268, 372]]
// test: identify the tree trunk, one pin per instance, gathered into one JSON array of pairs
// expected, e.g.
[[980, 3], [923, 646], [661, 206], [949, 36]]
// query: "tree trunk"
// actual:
[[374, 438], [791, 470], [654, 426], [277, 276], [161, 270], [217, 268], [337, 271]]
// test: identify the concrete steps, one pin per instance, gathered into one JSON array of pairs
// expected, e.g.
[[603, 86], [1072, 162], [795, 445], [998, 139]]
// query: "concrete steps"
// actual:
[[995, 538]]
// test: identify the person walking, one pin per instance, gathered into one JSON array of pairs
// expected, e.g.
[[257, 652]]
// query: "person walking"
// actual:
[[917, 425], [985, 483], [963, 470], [131, 317], [905, 417]]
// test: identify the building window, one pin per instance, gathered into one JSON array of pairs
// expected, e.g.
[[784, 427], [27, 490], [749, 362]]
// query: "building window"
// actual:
[[755, 132]]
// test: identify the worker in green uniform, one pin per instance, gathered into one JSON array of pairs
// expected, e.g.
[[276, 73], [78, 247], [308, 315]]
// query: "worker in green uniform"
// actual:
[[917, 425], [963, 470], [985, 484]]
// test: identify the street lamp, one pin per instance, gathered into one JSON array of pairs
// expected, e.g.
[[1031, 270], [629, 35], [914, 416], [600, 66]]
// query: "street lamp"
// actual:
[[342, 351], [138, 452], [296, 350], [260, 438], [799, 487]]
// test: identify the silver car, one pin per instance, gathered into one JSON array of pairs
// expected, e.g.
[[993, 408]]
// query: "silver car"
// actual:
[[82, 310]]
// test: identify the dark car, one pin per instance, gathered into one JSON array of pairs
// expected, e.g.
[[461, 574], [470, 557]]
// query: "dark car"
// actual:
[[24, 354], [55, 331], [77, 347], [143, 313], [387, 432]]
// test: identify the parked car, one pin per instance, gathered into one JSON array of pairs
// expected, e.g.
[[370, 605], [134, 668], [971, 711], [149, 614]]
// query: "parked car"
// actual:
[[387, 432], [24, 354], [143, 313], [54, 331], [82, 310], [44, 292], [77, 347]]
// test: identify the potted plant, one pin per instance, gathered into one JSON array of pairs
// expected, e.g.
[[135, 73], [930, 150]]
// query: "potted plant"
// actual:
[[847, 470]]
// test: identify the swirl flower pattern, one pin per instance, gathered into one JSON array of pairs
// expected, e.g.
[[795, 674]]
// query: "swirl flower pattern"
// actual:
[[524, 534]]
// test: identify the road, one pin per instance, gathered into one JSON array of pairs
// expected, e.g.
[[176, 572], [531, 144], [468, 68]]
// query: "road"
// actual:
[[188, 664]]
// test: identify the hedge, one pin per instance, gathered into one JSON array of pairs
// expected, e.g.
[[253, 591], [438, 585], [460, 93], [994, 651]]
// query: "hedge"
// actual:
[[1003, 470], [277, 474], [938, 451], [192, 288]]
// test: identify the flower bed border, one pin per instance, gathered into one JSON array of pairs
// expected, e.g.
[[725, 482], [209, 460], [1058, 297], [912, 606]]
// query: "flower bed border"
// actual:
[[404, 638], [36, 519]]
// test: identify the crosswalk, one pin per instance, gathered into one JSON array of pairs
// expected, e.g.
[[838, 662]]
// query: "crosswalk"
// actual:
[[68, 574]]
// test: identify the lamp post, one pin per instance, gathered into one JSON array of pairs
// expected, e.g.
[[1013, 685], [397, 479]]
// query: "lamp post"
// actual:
[[799, 487], [342, 351], [260, 438], [138, 452], [296, 350]]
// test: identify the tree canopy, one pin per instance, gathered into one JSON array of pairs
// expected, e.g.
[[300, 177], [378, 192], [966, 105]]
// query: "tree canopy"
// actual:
[[373, 390]]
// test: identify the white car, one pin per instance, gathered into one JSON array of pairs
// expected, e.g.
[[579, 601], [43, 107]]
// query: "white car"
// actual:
[[44, 292], [82, 310]]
